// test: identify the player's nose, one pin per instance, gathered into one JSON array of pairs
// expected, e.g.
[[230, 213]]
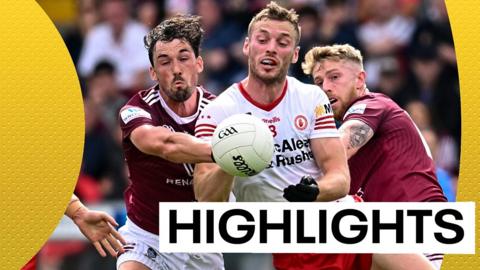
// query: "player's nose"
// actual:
[[326, 87], [272, 47], [176, 68]]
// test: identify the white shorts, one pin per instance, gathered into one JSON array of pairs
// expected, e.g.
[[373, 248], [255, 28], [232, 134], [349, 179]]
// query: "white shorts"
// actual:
[[436, 259], [142, 247]]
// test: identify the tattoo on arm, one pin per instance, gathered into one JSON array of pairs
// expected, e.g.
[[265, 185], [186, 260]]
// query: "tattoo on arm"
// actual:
[[354, 134], [360, 133]]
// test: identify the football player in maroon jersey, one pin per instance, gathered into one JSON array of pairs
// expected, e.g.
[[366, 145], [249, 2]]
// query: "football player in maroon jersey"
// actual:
[[389, 160], [157, 124]]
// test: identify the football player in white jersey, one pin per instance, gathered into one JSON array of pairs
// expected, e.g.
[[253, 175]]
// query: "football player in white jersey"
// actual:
[[299, 116], [309, 163]]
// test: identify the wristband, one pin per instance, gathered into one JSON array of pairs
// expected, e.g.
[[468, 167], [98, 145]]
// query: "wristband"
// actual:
[[73, 206]]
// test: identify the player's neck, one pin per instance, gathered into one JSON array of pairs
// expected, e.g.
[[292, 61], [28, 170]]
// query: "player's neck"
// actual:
[[262, 92], [185, 108]]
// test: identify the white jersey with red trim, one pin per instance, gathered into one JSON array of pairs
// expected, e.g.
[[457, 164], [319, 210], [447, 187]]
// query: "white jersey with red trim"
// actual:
[[300, 114]]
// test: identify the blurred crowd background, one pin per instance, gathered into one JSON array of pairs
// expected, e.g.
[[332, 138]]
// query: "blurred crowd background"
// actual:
[[407, 45]]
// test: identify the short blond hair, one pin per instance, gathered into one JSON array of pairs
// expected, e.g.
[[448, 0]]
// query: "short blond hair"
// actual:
[[273, 11], [335, 52]]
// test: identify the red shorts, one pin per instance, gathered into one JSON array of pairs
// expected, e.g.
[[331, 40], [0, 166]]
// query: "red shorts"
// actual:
[[314, 261]]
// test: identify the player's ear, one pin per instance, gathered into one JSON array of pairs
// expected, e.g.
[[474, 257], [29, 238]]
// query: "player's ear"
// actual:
[[360, 81], [245, 46], [199, 64], [153, 75], [295, 54]]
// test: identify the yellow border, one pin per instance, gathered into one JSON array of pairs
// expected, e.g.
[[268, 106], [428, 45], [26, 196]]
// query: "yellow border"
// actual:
[[466, 33], [41, 130]]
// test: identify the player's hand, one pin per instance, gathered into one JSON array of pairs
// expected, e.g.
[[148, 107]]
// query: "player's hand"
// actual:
[[98, 228], [305, 191]]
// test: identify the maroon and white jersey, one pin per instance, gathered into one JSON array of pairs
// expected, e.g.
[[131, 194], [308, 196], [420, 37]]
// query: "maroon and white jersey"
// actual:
[[153, 179], [396, 164]]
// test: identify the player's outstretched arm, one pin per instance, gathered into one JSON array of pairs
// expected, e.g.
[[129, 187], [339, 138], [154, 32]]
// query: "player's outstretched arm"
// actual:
[[401, 262], [96, 226], [330, 157], [210, 183], [173, 146], [354, 134]]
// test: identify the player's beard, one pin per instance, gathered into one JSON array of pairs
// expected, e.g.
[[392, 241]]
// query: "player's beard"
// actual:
[[180, 95], [339, 113], [270, 79]]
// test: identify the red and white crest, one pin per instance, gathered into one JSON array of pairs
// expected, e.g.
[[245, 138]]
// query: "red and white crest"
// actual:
[[301, 122]]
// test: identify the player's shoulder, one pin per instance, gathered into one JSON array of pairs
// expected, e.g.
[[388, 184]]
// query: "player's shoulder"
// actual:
[[370, 99], [228, 97], [145, 98], [375, 97], [376, 103], [141, 102], [139, 105], [379, 101], [305, 92], [226, 103], [296, 85], [206, 97], [205, 93], [231, 92]]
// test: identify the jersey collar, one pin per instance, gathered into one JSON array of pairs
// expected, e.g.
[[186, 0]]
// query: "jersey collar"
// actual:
[[183, 120], [265, 107]]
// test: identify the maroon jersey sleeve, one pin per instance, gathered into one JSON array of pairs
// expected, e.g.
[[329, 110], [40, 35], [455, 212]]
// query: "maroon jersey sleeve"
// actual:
[[369, 111], [395, 165], [134, 114]]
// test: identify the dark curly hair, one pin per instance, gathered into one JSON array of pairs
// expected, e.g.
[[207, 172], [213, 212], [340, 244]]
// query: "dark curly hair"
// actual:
[[186, 27]]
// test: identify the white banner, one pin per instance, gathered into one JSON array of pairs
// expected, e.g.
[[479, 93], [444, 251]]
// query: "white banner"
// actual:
[[285, 227]]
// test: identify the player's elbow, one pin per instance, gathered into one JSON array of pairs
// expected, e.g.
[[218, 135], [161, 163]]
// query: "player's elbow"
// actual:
[[170, 153], [341, 185], [160, 149]]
